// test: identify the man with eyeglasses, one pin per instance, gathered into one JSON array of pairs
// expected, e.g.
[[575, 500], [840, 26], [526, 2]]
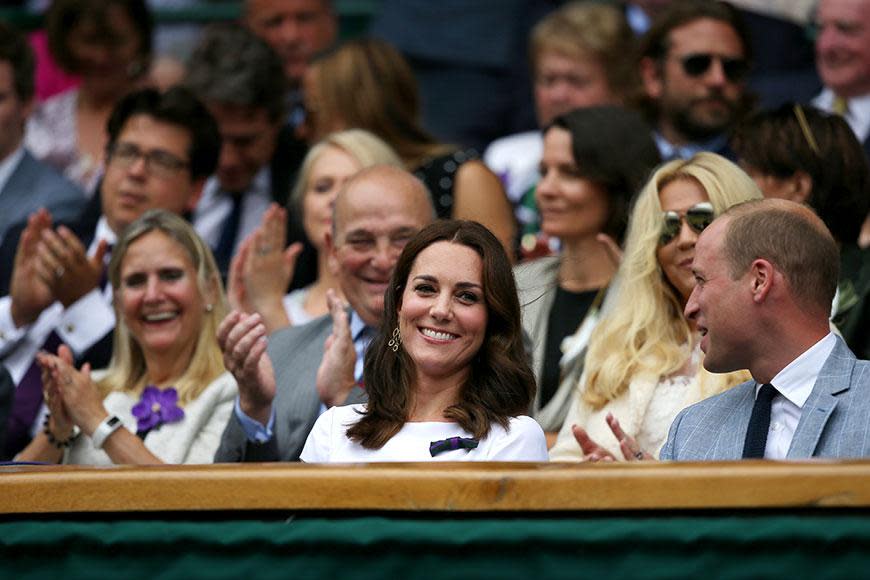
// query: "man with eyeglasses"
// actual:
[[694, 64], [162, 146], [843, 63], [240, 79]]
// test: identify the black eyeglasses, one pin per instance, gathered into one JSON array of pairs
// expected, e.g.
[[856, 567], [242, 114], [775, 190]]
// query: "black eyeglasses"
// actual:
[[158, 162], [697, 64], [697, 217]]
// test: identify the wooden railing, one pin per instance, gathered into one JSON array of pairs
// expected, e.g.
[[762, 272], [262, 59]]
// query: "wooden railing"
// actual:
[[457, 487]]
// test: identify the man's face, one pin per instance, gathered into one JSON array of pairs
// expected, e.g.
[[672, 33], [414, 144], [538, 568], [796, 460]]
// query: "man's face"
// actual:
[[248, 143], [133, 185], [295, 29], [697, 102], [13, 112], [374, 219], [564, 83], [719, 306], [843, 46]]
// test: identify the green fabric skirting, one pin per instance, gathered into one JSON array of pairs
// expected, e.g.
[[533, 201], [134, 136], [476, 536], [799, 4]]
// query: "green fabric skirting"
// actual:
[[747, 546]]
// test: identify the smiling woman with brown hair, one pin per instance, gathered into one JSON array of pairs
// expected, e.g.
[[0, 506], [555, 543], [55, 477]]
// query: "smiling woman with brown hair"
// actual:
[[446, 377]]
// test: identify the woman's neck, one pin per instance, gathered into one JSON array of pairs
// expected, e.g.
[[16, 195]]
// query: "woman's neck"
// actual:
[[432, 396], [585, 264], [163, 369]]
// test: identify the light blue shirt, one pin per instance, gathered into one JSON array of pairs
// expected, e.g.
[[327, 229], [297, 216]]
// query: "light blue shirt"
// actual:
[[669, 151], [362, 336]]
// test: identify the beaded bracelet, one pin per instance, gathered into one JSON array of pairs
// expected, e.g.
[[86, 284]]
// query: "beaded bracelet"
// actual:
[[51, 438]]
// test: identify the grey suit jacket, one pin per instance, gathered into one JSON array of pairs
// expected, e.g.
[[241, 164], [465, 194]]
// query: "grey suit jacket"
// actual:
[[834, 423], [296, 353], [33, 185]]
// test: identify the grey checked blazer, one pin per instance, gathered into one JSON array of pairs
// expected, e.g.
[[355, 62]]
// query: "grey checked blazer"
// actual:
[[296, 353], [834, 423]]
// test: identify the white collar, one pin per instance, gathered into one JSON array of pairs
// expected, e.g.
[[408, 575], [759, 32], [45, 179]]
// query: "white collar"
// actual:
[[858, 115], [795, 382], [102, 232]]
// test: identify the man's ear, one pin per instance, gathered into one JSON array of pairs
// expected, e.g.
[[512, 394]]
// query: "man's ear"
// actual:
[[651, 77], [761, 278]]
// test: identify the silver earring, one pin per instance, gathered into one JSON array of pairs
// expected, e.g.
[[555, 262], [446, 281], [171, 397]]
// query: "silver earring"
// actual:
[[209, 308], [396, 340]]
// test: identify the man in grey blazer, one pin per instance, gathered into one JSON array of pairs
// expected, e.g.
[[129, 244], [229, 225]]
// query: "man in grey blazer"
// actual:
[[287, 381], [766, 273], [25, 183]]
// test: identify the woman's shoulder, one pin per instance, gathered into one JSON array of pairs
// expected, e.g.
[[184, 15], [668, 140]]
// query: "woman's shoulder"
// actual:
[[523, 440]]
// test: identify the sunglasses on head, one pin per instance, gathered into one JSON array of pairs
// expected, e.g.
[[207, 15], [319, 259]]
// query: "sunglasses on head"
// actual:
[[697, 217], [697, 64]]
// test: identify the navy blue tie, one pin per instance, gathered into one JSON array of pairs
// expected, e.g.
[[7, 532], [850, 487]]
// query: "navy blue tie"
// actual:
[[759, 423]]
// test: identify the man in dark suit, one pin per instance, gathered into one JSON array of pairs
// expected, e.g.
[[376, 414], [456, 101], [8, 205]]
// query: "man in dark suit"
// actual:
[[766, 274], [26, 184], [285, 387], [162, 146]]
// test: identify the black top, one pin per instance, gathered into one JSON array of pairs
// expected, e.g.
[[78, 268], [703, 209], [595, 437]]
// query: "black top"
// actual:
[[568, 311]]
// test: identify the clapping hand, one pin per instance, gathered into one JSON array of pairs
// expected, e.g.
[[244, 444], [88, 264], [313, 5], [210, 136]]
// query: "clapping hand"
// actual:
[[73, 272], [242, 338], [262, 270], [30, 287], [335, 377], [73, 389]]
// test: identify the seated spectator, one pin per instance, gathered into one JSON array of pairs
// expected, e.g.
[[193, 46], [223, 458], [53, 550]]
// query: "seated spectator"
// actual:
[[261, 272], [446, 376], [643, 365], [165, 397], [285, 383], [367, 84], [807, 156], [581, 56], [767, 272], [240, 80], [26, 184], [595, 160], [162, 146], [107, 44]]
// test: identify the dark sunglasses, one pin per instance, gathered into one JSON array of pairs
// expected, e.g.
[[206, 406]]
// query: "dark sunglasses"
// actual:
[[697, 217], [697, 64]]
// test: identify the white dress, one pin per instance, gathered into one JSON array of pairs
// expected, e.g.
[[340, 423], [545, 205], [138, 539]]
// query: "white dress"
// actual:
[[194, 439], [328, 442]]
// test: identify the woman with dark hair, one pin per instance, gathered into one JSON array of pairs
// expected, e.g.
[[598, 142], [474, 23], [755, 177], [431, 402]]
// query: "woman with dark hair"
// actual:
[[595, 159], [809, 156], [107, 44], [446, 377]]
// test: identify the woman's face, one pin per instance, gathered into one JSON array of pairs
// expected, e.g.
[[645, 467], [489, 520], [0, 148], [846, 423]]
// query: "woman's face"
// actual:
[[675, 257], [159, 297], [443, 314], [571, 206], [328, 173], [106, 62]]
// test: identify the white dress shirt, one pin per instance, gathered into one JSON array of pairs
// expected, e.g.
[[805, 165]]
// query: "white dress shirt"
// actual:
[[857, 115], [216, 204], [9, 165], [793, 384]]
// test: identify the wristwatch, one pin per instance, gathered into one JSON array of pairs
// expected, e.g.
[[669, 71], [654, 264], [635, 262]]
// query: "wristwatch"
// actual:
[[108, 426]]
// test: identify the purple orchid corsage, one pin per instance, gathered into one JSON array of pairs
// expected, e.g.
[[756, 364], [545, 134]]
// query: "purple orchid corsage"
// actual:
[[155, 408]]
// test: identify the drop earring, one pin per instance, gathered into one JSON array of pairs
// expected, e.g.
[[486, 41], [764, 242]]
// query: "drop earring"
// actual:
[[209, 308], [396, 340]]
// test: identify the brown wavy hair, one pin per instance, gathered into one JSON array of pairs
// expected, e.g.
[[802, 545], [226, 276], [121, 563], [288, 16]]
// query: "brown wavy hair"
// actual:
[[500, 385]]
